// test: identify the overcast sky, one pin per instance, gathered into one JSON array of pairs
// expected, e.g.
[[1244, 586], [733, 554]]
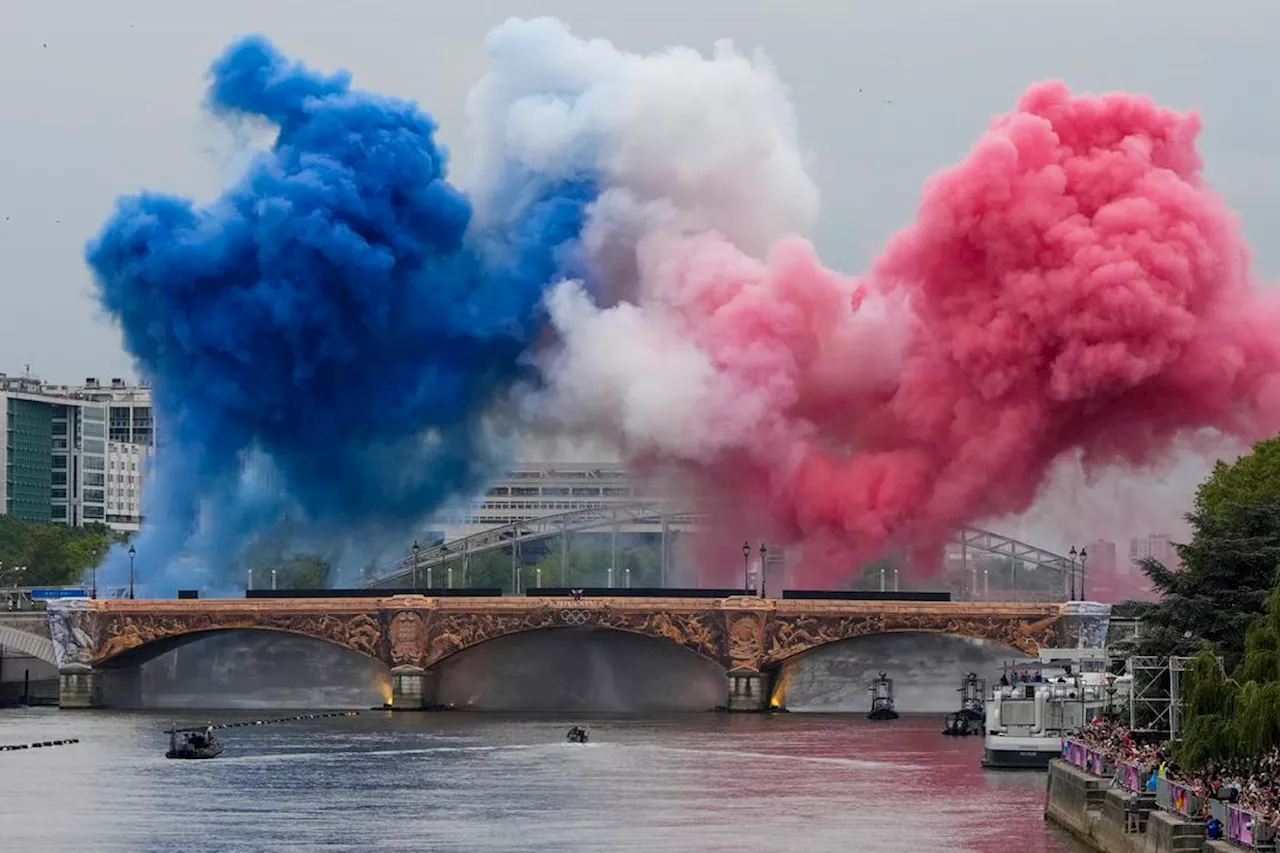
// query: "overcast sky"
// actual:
[[101, 97]]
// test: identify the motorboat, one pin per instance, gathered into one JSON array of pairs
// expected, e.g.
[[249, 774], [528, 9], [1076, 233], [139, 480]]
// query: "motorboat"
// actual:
[[1038, 702], [973, 706], [882, 699], [961, 725], [577, 734], [192, 743]]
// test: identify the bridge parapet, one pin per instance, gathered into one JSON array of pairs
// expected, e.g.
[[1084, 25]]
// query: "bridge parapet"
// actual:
[[411, 634]]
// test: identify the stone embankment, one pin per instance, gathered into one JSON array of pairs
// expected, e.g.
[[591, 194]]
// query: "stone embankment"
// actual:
[[1113, 820]]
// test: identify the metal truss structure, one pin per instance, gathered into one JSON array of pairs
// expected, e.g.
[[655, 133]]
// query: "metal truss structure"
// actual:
[[1155, 698], [650, 514]]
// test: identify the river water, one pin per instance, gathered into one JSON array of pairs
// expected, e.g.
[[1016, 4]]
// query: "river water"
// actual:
[[480, 782]]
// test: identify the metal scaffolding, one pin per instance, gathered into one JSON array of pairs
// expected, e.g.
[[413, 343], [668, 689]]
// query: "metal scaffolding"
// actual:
[[1155, 698]]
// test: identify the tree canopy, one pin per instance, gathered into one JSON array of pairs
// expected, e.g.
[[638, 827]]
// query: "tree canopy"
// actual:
[[1227, 568], [49, 554], [1235, 717], [1251, 480], [1227, 571]]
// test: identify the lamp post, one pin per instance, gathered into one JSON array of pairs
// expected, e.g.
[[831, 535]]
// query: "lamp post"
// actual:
[[132, 553], [415, 550], [1072, 555], [746, 556], [764, 554], [1084, 560], [93, 556]]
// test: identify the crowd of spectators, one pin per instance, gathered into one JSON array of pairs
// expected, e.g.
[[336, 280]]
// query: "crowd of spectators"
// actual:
[[1252, 784]]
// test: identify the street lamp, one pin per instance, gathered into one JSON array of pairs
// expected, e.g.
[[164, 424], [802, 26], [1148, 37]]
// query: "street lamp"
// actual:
[[93, 556], [764, 553], [415, 550], [1084, 559], [1072, 555], [132, 553], [746, 556]]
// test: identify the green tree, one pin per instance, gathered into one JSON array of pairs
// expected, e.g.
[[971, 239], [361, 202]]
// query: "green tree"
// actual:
[[1253, 479], [49, 554], [1227, 567], [1227, 571], [1235, 717]]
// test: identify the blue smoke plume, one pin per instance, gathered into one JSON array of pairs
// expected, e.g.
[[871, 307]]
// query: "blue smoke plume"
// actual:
[[327, 339]]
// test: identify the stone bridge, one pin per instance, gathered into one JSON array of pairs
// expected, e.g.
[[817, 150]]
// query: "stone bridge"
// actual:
[[95, 640], [27, 633]]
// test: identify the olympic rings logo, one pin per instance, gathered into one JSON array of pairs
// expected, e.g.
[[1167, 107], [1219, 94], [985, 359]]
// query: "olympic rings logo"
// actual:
[[575, 617]]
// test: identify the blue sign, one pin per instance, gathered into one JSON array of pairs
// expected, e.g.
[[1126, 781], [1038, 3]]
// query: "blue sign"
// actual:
[[57, 592]]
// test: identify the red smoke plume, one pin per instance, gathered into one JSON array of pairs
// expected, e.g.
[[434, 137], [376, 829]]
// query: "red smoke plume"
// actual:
[[1072, 286]]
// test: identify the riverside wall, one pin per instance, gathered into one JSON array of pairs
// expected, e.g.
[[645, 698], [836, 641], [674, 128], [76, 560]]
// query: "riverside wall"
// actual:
[[1111, 820]]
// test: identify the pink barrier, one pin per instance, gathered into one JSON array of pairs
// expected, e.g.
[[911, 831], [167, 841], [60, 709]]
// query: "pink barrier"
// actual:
[[1132, 778], [1089, 760], [1184, 802], [1244, 827]]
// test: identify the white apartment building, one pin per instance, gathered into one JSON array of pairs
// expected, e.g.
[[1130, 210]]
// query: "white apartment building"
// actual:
[[54, 448]]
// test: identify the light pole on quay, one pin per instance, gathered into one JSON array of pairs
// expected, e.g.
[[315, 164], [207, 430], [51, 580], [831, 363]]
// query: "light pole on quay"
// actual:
[[746, 556], [132, 553], [1072, 555], [415, 549], [764, 554], [93, 556], [1084, 559]]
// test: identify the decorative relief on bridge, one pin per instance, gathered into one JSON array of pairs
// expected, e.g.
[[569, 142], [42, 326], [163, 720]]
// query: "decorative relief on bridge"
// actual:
[[407, 634], [69, 627], [746, 640], [789, 635], [422, 632], [452, 632], [115, 632]]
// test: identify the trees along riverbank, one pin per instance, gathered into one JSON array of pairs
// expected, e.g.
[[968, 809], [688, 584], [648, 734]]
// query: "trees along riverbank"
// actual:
[[1224, 601], [1228, 566], [49, 554]]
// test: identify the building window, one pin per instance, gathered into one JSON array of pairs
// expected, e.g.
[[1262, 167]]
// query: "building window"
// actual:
[[59, 460], [58, 511], [93, 512]]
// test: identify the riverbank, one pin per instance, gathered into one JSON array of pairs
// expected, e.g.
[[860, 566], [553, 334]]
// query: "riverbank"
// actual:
[[1112, 820]]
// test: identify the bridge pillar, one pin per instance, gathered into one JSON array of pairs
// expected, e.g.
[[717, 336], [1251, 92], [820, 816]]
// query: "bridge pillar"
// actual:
[[79, 686], [412, 688], [749, 690]]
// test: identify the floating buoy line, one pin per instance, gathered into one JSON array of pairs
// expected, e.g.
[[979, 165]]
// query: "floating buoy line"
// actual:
[[9, 747], [292, 719]]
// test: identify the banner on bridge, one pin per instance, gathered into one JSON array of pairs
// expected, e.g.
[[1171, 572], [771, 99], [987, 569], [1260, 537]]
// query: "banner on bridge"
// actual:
[[57, 592]]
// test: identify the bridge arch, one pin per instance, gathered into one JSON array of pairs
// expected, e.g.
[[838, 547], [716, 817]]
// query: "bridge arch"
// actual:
[[587, 669], [1022, 630], [38, 647], [122, 638], [451, 633]]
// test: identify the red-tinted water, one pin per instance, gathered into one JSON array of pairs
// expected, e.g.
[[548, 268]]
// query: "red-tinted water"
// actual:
[[490, 782]]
